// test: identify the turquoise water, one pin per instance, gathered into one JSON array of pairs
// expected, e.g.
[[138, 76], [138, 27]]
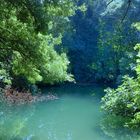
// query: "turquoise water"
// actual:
[[75, 115]]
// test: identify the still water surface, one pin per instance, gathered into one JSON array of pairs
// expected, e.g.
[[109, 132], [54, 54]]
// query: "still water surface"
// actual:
[[76, 115]]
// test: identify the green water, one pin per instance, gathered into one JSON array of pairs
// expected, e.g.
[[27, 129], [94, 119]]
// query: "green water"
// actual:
[[75, 115]]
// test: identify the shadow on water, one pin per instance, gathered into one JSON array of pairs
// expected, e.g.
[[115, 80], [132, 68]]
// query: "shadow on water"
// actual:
[[76, 115]]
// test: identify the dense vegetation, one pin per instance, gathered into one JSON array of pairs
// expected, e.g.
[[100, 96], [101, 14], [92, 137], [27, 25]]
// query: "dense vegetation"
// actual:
[[30, 31], [125, 100], [105, 40]]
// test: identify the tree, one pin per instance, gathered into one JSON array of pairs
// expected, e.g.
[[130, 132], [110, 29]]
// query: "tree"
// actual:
[[28, 36], [125, 100]]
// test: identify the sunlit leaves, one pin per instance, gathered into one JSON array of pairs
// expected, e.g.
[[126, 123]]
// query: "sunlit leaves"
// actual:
[[28, 50], [136, 25]]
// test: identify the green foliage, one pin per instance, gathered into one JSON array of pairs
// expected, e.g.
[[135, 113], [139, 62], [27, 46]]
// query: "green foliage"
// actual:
[[4, 75], [121, 101], [137, 25], [116, 56], [27, 42], [48, 66], [125, 100]]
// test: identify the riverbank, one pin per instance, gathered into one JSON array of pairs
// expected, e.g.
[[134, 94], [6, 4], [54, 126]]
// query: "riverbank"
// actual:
[[13, 96]]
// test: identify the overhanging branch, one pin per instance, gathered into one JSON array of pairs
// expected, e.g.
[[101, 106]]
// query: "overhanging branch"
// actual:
[[127, 9]]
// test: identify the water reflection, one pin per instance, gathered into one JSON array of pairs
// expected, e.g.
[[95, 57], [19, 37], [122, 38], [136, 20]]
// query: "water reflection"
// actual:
[[114, 127], [13, 121], [75, 116]]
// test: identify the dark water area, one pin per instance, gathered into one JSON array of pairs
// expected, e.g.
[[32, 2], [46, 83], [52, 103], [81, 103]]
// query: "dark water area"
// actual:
[[76, 115]]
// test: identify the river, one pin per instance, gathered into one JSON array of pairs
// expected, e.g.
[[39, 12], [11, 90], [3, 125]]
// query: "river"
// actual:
[[76, 115]]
